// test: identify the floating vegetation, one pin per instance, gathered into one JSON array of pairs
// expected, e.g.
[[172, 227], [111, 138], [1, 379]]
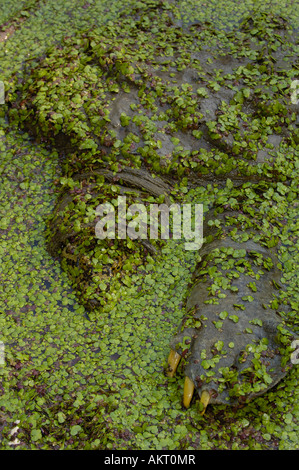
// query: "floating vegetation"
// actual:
[[147, 99]]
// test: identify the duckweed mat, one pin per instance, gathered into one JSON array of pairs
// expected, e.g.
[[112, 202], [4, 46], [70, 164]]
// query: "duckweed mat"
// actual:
[[76, 378]]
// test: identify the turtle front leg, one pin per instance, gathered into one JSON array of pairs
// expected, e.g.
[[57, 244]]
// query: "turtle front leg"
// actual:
[[231, 339]]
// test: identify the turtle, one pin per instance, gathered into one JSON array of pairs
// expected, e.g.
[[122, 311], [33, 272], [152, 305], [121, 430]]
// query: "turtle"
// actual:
[[137, 108]]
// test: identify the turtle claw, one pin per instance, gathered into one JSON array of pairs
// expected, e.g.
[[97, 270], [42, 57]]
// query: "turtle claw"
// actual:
[[204, 400], [188, 395], [188, 391], [173, 362]]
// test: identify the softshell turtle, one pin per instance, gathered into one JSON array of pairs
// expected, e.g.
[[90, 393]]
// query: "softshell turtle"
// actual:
[[150, 97], [232, 340]]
